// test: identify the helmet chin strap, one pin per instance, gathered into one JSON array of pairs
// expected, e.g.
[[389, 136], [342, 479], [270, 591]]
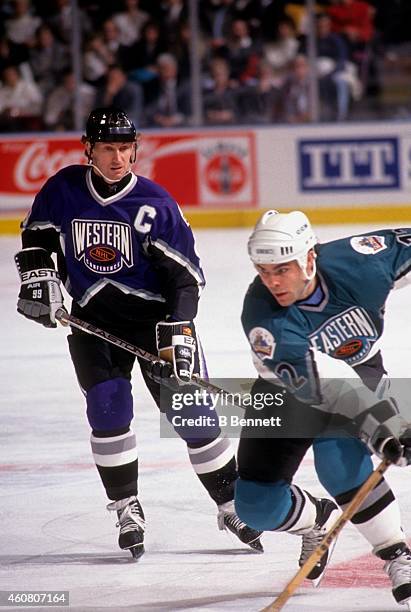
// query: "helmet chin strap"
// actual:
[[104, 177], [303, 266]]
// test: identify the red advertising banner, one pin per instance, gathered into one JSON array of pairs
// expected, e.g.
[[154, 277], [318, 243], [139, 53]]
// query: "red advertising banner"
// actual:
[[203, 169]]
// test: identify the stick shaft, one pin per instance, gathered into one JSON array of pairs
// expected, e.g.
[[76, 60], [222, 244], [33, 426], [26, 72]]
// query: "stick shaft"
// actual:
[[89, 328], [348, 513]]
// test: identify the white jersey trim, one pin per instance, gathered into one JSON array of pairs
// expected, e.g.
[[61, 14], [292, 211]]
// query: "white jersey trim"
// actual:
[[114, 198], [41, 225], [99, 285], [182, 260]]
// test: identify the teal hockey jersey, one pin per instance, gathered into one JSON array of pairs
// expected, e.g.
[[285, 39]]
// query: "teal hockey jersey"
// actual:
[[340, 323]]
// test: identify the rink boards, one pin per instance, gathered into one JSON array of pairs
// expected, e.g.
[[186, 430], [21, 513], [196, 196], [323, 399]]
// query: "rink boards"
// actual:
[[357, 172]]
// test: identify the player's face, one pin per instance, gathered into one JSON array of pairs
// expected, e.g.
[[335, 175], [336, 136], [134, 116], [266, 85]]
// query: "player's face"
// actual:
[[286, 282], [113, 158]]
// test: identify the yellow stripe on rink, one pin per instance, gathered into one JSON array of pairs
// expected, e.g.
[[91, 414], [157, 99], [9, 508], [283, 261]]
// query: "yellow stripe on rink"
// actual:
[[209, 218], [10, 225]]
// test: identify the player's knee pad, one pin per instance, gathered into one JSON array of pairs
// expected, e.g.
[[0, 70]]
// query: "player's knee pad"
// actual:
[[262, 505], [341, 463], [110, 404]]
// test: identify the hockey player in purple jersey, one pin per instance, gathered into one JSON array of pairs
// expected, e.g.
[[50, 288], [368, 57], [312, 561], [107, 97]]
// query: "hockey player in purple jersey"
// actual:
[[313, 317], [127, 258]]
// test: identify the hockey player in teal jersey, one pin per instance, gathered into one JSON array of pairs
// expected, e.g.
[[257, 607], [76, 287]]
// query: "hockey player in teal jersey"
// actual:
[[314, 316]]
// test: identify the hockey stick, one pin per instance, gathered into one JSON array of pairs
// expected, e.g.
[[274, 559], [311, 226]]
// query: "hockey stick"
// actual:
[[322, 548], [66, 319]]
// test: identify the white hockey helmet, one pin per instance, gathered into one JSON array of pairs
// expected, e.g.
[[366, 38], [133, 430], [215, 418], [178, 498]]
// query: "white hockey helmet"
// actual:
[[281, 237]]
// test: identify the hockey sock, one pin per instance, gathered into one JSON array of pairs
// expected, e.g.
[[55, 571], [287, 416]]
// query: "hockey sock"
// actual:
[[115, 456], [302, 515], [215, 466], [378, 518]]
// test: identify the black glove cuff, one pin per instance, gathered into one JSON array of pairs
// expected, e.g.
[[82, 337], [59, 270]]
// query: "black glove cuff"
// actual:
[[33, 258]]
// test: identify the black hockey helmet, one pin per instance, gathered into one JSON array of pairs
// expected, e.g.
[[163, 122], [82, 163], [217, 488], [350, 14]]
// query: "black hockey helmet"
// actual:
[[109, 124]]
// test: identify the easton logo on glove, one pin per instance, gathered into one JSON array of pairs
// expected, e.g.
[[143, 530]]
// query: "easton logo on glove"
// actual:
[[40, 295], [43, 274]]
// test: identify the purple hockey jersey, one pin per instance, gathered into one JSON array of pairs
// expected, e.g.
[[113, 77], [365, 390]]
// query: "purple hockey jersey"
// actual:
[[133, 248]]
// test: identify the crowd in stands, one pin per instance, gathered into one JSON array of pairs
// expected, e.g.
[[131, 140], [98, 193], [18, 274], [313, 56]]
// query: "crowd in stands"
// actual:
[[136, 55]]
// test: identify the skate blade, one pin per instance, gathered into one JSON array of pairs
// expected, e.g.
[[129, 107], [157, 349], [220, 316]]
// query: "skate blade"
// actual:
[[137, 551], [256, 546], [408, 603], [317, 581]]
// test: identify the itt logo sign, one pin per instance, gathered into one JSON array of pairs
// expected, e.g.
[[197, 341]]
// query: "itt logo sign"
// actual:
[[335, 165]]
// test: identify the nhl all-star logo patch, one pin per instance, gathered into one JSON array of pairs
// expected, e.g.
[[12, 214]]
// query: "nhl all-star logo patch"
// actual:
[[262, 342], [368, 245], [103, 246]]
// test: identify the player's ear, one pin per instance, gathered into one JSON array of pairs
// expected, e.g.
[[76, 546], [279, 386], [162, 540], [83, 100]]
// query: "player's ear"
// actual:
[[87, 149]]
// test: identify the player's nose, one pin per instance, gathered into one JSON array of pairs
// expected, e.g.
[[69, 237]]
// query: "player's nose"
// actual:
[[272, 280]]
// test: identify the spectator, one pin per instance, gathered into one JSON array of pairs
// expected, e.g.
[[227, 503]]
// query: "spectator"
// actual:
[[181, 50], [272, 12], [174, 13], [354, 19], [96, 59], [20, 102], [295, 93], [220, 96], [60, 21], [142, 56], [21, 27], [251, 12], [217, 17], [259, 102], [332, 61], [58, 113], [169, 101], [283, 49], [48, 59], [243, 52], [121, 93], [111, 37], [129, 22], [12, 54]]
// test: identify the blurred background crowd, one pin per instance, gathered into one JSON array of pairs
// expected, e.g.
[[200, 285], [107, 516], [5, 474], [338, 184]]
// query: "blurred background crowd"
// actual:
[[253, 57]]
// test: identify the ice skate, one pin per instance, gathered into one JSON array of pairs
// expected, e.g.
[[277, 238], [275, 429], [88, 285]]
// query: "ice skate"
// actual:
[[327, 513], [398, 568], [228, 519], [132, 524]]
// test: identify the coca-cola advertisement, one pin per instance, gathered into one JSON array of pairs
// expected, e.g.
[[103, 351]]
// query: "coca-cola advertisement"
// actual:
[[206, 169]]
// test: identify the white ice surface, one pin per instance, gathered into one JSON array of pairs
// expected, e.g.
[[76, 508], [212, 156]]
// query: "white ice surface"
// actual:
[[55, 533]]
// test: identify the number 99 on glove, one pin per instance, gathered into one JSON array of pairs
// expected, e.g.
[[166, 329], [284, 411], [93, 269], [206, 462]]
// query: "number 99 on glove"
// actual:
[[40, 295], [176, 343]]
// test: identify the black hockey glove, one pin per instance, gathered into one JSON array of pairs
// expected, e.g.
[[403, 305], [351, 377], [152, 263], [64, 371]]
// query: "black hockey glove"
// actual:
[[40, 295], [163, 374], [385, 432], [397, 450], [176, 343]]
